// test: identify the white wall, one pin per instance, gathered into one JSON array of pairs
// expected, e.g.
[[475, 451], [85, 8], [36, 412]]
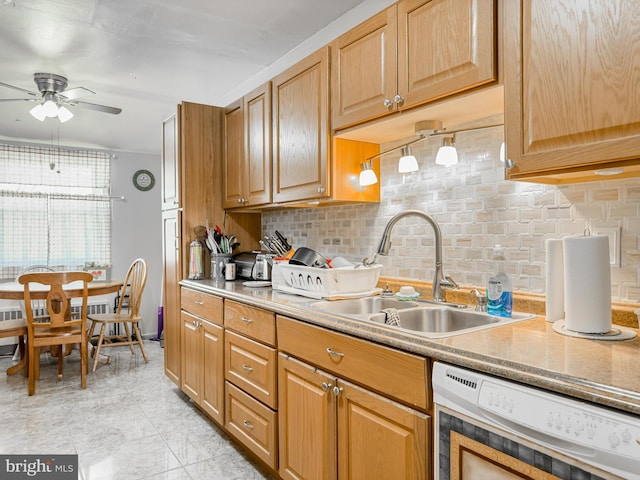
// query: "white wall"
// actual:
[[137, 230]]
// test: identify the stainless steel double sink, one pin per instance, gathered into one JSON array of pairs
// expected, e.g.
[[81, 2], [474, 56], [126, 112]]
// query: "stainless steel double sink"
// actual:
[[427, 319]]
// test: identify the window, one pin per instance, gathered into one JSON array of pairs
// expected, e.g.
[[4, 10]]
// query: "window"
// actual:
[[54, 208]]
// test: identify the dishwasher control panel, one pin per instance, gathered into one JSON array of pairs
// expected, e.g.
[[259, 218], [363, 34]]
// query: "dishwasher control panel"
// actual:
[[562, 418]]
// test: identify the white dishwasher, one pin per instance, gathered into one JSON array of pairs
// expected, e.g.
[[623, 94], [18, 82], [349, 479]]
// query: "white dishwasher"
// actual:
[[489, 428]]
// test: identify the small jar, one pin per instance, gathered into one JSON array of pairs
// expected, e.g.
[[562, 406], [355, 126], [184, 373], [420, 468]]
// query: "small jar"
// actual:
[[230, 271]]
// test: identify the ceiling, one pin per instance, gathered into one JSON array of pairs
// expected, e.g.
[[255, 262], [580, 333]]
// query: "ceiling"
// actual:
[[144, 56]]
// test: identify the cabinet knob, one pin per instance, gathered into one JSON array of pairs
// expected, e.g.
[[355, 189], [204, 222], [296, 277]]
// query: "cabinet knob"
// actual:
[[240, 201], [387, 103], [398, 99], [326, 386], [337, 390], [321, 189]]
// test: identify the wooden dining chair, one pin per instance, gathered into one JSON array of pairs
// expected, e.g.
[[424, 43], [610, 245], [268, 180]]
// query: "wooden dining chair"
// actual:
[[127, 314], [16, 328], [61, 327]]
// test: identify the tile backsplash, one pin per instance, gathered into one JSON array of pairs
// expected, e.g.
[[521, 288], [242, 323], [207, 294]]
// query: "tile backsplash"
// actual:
[[476, 209]]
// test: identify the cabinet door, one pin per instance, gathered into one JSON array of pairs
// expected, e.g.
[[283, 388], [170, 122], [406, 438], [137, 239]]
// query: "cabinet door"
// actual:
[[380, 439], [192, 362], [301, 131], [171, 291], [234, 178], [444, 47], [212, 393], [307, 421], [363, 70], [170, 192], [257, 137], [571, 72]]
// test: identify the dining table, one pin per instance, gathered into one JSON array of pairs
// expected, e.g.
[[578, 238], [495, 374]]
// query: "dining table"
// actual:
[[13, 290]]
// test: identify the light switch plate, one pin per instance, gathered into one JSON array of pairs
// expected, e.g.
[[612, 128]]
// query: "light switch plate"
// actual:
[[614, 243]]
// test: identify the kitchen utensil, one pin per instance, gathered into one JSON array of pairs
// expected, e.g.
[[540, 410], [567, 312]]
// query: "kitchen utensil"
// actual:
[[308, 258], [284, 240]]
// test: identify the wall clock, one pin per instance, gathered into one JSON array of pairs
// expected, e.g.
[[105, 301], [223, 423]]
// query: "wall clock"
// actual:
[[144, 180]]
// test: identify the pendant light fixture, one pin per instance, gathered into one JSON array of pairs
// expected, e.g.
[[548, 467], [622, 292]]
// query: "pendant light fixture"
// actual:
[[447, 154], [408, 162], [367, 175]]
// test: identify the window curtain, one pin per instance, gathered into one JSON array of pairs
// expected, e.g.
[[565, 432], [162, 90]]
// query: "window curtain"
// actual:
[[54, 208]]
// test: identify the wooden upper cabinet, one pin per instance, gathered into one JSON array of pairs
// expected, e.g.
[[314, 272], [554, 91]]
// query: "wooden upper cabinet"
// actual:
[[444, 47], [233, 155], [412, 53], [571, 72], [301, 130], [257, 138], [363, 70], [170, 165], [247, 158]]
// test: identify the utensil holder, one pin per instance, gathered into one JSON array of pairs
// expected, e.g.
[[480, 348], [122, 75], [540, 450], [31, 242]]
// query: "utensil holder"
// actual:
[[218, 264]]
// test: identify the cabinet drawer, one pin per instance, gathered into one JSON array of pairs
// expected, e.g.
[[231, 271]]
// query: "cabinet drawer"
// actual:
[[252, 424], [202, 304], [251, 366], [391, 372], [250, 321]]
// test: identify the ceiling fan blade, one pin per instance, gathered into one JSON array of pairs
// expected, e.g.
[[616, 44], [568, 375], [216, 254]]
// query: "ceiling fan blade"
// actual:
[[19, 99], [20, 89], [95, 106], [76, 92]]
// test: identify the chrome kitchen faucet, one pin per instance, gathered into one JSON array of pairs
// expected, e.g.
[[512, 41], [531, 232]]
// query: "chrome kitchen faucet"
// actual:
[[440, 282]]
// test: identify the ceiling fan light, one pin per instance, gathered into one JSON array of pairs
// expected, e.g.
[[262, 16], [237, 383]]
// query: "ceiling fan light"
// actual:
[[37, 112], [64, 114], [50, 108]]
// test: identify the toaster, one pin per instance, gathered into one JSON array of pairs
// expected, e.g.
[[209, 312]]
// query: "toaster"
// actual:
[[254, 265]]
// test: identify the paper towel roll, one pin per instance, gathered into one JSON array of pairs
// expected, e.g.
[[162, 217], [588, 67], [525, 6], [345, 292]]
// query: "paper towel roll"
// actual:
[[554, 280], [587, 284]]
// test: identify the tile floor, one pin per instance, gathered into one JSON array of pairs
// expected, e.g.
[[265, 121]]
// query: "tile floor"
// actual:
[[130, 423]]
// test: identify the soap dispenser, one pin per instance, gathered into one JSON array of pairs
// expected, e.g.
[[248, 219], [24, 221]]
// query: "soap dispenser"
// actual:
[[499, 291]]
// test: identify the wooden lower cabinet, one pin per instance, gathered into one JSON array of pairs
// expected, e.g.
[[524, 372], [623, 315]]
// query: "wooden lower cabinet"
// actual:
[[202, 364], [330, 428], [202, 351]]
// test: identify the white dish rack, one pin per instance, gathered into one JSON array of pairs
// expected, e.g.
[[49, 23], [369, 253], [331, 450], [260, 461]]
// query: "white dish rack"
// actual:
[[325, 282]]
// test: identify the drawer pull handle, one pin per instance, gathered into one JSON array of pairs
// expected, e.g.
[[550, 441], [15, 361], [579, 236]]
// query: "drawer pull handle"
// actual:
[[198, 302], [326, 386], [334, 353], [247, 425], [247, 368], [246, 319]]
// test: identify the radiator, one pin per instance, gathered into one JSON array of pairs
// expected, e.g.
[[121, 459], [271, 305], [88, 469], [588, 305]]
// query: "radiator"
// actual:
[[13, 313]]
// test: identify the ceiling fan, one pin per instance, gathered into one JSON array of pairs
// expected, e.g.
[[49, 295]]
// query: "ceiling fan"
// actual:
[[53, 98]]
